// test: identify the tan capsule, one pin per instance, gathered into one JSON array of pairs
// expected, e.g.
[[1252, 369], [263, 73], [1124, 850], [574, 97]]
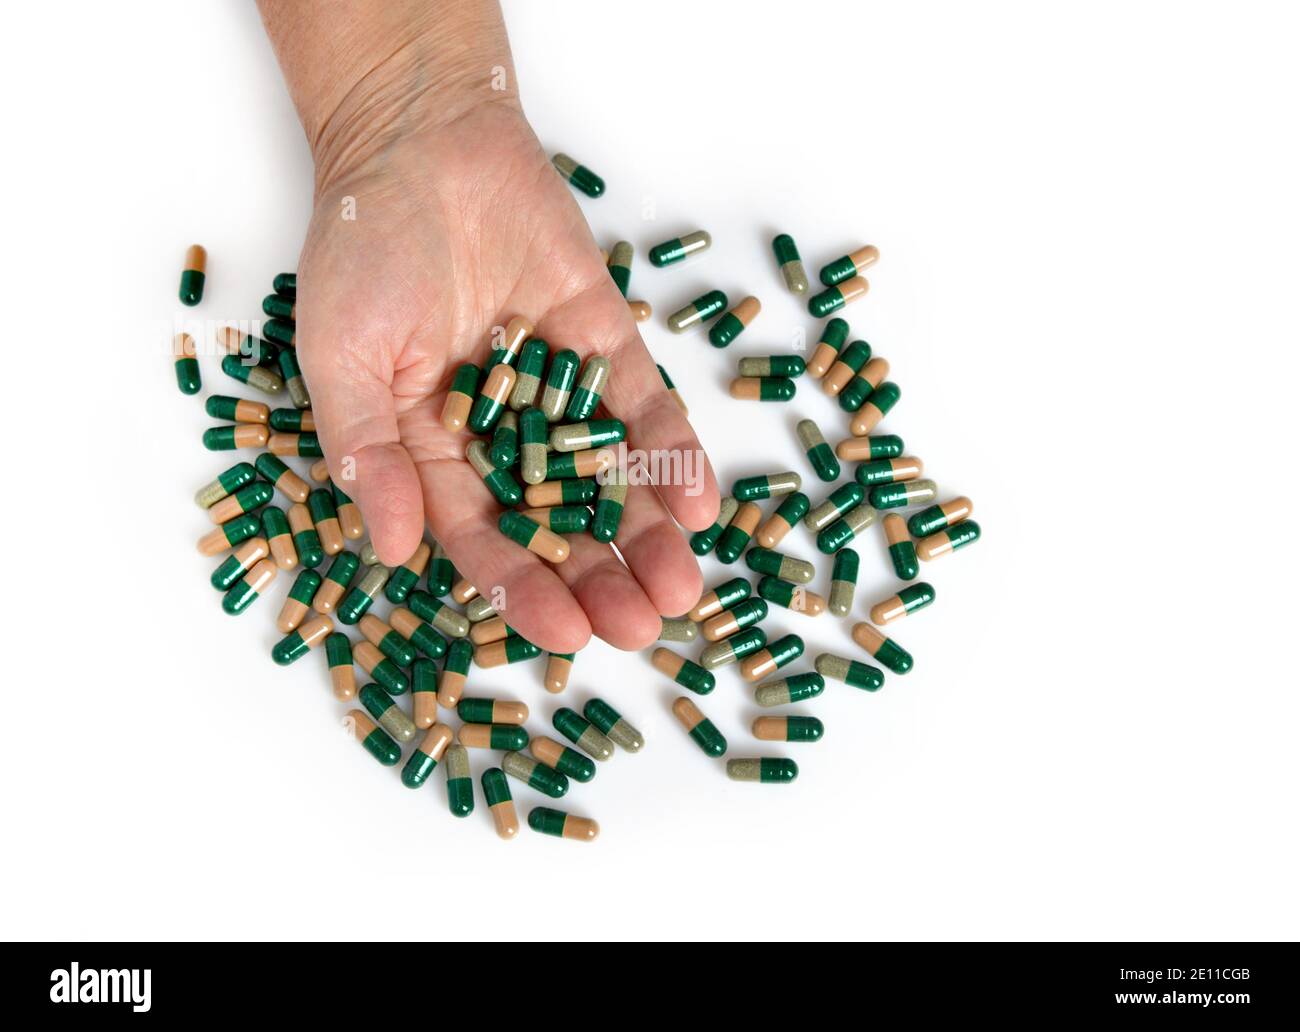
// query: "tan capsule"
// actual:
[[509, 711], [641, 310], [687, 713], [747, 517], [500, 382], [299, 518], [365, 655], [436, 739], [320, 471], [214, 542], [864, 256], [517, 330], [708, 605], [583, 829], [874, 372], [758, 666], [549, 545], [593, 461], [490, 630], [746, 388], [292, 613], [373, 628], [283, 444], [773, 531], [316, 630], [196, 258], [251, 435], [853, 289], [823, 358], [451, 686], [462, 591], [252, 412], [292, 486], [770, 729], [865, 419], [455, 411], [558, 667], [283, 551], [350, 521], [724, 625], [328, 596], [343, 680]]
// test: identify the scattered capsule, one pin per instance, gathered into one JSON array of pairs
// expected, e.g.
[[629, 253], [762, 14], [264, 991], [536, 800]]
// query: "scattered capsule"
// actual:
[[277, 306], [849, 265], [764, 388], [702, 541], [280, 331], [338, 656], [609, 507], [505, 489], [291, 373], [533, 451], [863, 449], [948, 540], [381, 668], [788, 729], [850, 671], [562, 825], [798, 688], [460, 397], [568, 762], [558, 667], [460, 784], [873, 410], [902, 553], [306, 541], [672, 389], [286, 283], [438, 613], [743, 614], [296, 644], [286, 481], [241, 435], [305, 446], [388, 715], [792, 596], [508, 345], [253, 375], [252, 350], [228, 535], [702, 309], [735, 539], [819, 453], [683, 671], [791, 265], [246, 499], [325, 518], [562, 519], [699, 727], [834, 334], [724, 596], [774, 530], [462, 591], [362, 595], [529, 369], [496, 793], [426, 755], [535, 775], [492, 711], [298, 603], [891, 655], [559, 383], [620, 265], [679, 248], [228, 481], [375, 740], [937, 517], [418, 633], [506, 737], [244, 592], [513, 649], [791, 366], [844, 581], [335, 583], [404, 578], [505, 441], [580, 177], [907, 601], [732, 649], [234, 566], [534, 537], [845, 529], [189, 379], [491, 400], [441, 572], [677, 628], [455, 670], [777, 564], [579, 730], [596, 433], [193, 275], [864, 382], [784, 650], [237, 410], [889, 471], [641, 310], [834, 298], [612, 724], [275, 528], [903, 493], [845, 368], [733, 324], [773, 485], [387, 640], [766, 770]]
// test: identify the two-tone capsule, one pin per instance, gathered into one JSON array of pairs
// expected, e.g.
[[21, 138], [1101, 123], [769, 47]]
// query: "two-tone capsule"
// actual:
[[535, 775], [569, 762], [735, 539], [791, 366], [246, 499], [794, 597], [613, 725], [595, 433], [240, 435], [533, 536], [338, 657], [505, 489], [774, 529], [677, 628], [460, 782], [771, 485], [455, 671], [442, 616], [701, 729], [388, 715], [296, 644], [560, 379], [492, 398], [902, 493], [361, 596], [778, 564], [227, 482], [904, 603], [230, 534], [610, 501], [253, 375], [702, 542], [790, 264], [863, 449], [189, 379], [680, 248], [424, 692], [889, 471], [559, 665], [239, 563], [388, 640], [582, 733], [506, 737], [193, 275], [275, 527], [788, 729], [819, 453], [381, 668], [846, 367], [402, 581], [844, 581], [337, 580], [513, 649], [946, 541], [496, 793], [765, 770], [733, 324], [848, 266], [672, 389], [424, 759], [529, 369], [619, 265], [547, 821], [724, 596], [937, 517], [460, 397], [842, 500], [585, 400], [774, 656], [733, 649], [902, 552], [845, 529], [285, 480], [832, 299], [245, 591], [874, 409], [325, 518], [885, 651], [743, 614], [863, 384], [702, 309], [849, 671], [763, 388], [797, 688], [373, 738], [834, 334], [297, 606], [580, 177]]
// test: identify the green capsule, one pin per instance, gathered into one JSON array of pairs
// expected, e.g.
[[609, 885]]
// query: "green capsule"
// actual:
[[902, 552], [569, 762], [702, 542], [609, 506], [950, 539], [535, 775], [424, 758], [763, 388], [419, 633], [790, 366], [936, 517], [235, 410], [388, 715], [845, 529], [791, 265], [387, 674], [240, 529], [789, 729], [819, 453], [735, 539], [280, 331], [563, 519], [834, 334], [253, 375], [505, 489], [460, 783], [338, 649], [286, 283], [279, 307], [750, 489], [612, 724], [797, 688], [837, 503], [442, 574], [683, 671], [680, 248], [844, 582], [228, 481], [304, 589], [461, 396], [528, 374], [882, 399], [848, 266], [596, 433], [737, 647], [362, 595], [766, 770], [834, 298], [733, 324], [903, 603], [505, 441], [579, 730], [245, 591], [293, 381], [850, 671], [777, 564], [193, 275], [580, 177], [533, 457], [562, 825], [559, 383], [884, 446], [373, 738], [441, 615], [229, 438], [297, 643], [620, 265], [703, 308], [903, 493]]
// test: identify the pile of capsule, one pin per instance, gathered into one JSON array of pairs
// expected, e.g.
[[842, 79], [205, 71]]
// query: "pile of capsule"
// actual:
[[538, 426]]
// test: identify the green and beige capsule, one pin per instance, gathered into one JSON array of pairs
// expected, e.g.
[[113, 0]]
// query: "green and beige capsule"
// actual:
[[245, 500], [533, 455], [948, 540], [325, 518], [296, 644], [613, 725], [294, 384], [506, 737], [864, 382], [361, 596], [724, 596], [788, 729], [680, 248], [937, 517], [338, 657], [304, 445], [306, 541], [683, 671], [850, 671], [834, 298], [286, 284], [748, 613], [444, 619], [513, 649], [394, 646], [848, 266], [418, 633], [762, 388], [253, 375], [609, 506], [491, 401], [785, 650], [793, 597], [579, 730], [904, 603], [297, 605], [522, 530], [249, 349], [766, 770], [773, 485], [388, 715], [496, 793], [734, 648], [455, 671], [699, 727], [902, 553], [580, 177], [235, 565], [885, 651], [460, 783], [874, 409], [546, 821], [404, 578], [492, 711], [504, 452], [904, 493], [529, 369], [280, 331], [244, 592], [535, 775], [733, 324], [185, 358], [505, 489], [845, 529], [337, 580], [834, 334], [620, 268], [596, 433], [778, 564], [193, 275], [442, 574], [790, 264], [791, 366], [228, 535], [237, 410], [569, 762], [562, 519], [798, 688], [864, 449], [558, 667], [845, 367], [775, 528], [424, 760], [286, 481], [672, 389], [381, 668], [702, 309], [373, 738], [507, 347], [703, 541], [560, 379], [889, 471], [460, 397], [735, 539], [844, 581], [230, 438], [227, 482], [819, 453]]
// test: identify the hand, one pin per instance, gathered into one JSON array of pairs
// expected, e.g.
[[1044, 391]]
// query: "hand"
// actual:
[[458, 227]]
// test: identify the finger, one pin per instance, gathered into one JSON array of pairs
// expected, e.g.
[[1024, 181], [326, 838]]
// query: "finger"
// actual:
[[616, 605], [656, 552], [463, 516]]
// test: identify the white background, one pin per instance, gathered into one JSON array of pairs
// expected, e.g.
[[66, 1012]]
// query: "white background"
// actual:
[[1088, 226]]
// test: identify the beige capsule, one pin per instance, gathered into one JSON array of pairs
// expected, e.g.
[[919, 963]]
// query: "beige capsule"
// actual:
[[251, 435], [252, 412], [436, 739], [463, 591], [292, 486], [214, 542], [558, 668], [343, 680], [451, 686], [773, 531], [292, 614], [490, 630], [455, 411], [283, 551], [320, 471], [641, 310], [331, 535], [350, 521]]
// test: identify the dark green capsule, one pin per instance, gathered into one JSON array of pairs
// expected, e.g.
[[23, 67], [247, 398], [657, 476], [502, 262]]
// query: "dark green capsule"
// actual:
[[338, 649], [241, 528], [726, 594], [785, 650], [613, 726], [460, 783], [189, 378], [580, 177], [320, 503], [702, 541], [292, 647], [883, 446], [793, 508], [504, 452], [735, 539], [397, 648], [459, 654], [834, 334], [594, 433], [304, 589], [778, 564], [379, 745], [568, 519], [239, 597], [609, 509], [343, 568], [418, 767], [442, 574], [518, 650], [277, 306], [191, 290], [884, 397], [280, 331], [286, 283], [819, 453], [902, 551], [768, 770], [506, 737], [426, 639], [752, 489], [535, 775], [554, 822], [950, 539], [850, 671], [683, 671], [791, 366], [529, 370], [560, 379], [517, 527], [706, 735], [254, 496], [800, 729], [855, 393], [465, 380], [782, 592], [225, 438], [287, 420], [747, 613], [790, 264], [227, 482], [703, 308], [679, 248]]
